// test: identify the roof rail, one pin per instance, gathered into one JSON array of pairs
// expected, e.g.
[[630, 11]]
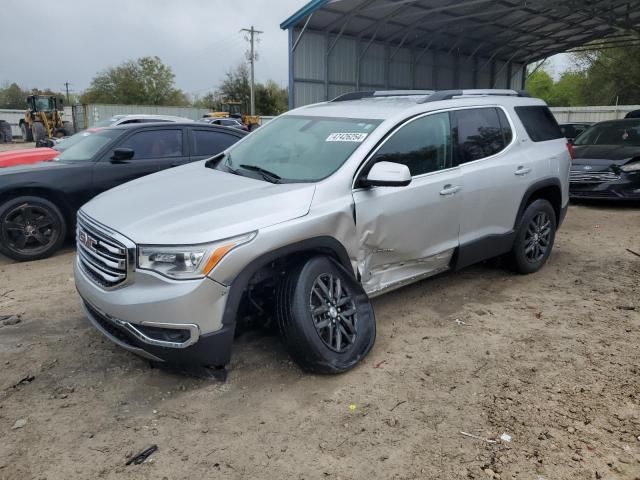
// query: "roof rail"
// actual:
[[381, 93], [449, 94]]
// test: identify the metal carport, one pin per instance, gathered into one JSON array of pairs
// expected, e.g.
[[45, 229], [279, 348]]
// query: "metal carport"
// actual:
[[339, 46]]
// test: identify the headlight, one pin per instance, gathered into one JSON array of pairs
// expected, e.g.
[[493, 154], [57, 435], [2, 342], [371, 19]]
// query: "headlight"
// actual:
[[631, 167], [188, 261]]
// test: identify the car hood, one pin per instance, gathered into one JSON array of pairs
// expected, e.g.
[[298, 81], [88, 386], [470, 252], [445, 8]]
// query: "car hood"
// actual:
[[194, 204], [603, 156], [26, 155]]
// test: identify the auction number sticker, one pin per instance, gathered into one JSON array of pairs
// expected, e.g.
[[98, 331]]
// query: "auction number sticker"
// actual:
[[347, 137]]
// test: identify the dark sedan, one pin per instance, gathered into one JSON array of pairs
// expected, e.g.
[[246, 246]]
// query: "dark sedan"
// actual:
[[38, 202], [573, 130], [606, 162]]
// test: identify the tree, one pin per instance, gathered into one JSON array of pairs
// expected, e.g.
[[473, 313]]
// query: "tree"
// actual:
[[14, 97], [270, 98], [236, 86], [567, 90], [146, 81], [539, 84], [610, 75]]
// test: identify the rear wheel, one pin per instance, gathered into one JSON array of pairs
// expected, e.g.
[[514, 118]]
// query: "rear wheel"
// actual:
[[31, 228], [27, 134], [325, 318], [535, 237], [5, 132], [38, 132]]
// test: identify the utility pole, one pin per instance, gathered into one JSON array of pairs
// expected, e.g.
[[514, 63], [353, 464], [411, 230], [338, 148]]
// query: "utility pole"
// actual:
[[252, 59], [66, 85]]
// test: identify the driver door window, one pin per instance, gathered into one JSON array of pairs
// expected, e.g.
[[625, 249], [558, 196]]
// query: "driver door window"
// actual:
[[155, 144], [423, 145]]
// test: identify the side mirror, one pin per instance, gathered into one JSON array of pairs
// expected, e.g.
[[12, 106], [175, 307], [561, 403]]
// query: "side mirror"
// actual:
[[122, 154], [570, 141], [388, 174]]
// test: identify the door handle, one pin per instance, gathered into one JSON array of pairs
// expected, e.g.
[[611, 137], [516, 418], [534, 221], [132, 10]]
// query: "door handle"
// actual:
[[450, 190], [522, 171]]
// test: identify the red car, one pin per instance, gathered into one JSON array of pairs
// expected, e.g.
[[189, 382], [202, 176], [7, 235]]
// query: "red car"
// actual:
[[42, 154], [26, 155]]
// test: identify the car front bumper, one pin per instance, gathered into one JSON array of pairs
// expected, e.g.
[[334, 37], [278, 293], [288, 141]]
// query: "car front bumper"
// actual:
[[177, 322], [627, 187]]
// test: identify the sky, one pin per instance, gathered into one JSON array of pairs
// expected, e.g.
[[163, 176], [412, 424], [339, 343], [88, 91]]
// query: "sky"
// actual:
[[72, 40]]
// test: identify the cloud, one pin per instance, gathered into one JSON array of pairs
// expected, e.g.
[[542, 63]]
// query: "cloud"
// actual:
[[71, 40]]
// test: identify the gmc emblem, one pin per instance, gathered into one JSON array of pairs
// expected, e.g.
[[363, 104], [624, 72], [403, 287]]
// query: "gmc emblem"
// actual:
[[86, 240]]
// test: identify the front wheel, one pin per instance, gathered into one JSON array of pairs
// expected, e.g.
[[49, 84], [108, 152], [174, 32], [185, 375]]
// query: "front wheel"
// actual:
[[27, 134], [31, 228], [534, 238], [38, 132], [324, 316]]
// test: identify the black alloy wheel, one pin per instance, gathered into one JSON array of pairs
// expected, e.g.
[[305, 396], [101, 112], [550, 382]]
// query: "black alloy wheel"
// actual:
[[535, 236], [334, 313], [538, 237], [30, 228], [325, 318]]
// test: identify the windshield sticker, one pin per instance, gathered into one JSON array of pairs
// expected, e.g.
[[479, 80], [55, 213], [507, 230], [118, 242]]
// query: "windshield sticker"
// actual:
[[347, 137]]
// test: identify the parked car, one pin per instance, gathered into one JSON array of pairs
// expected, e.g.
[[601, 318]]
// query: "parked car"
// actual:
[[607, 161], [138, 118], [226, 122], [38, 202], [26, 156], [633, 114], [572, 130], [316, 212]]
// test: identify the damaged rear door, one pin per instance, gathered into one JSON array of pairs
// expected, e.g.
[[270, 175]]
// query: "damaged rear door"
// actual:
[[405, 233]]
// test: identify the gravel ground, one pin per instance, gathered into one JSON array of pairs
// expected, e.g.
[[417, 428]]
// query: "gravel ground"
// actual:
[[550, 359]]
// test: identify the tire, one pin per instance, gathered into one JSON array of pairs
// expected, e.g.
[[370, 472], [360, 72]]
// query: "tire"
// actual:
[[534, 238], [319, 349], [38, 131], [5, 132], [67, 128], [27, 134], [35, 221]]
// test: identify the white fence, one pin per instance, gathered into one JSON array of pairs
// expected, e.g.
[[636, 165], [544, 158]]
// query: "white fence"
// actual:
[[591, 114]]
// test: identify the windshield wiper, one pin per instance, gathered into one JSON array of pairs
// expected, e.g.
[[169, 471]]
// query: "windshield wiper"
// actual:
[[266, 174]]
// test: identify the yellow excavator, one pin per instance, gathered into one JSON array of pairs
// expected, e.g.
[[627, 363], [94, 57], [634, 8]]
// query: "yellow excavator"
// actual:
[[43, 119], [231, 109]]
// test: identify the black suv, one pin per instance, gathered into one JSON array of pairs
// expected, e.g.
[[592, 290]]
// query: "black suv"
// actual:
[[38, 202]]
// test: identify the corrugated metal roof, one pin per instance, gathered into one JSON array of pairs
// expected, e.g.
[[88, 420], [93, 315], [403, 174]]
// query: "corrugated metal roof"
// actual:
[[509, 30]]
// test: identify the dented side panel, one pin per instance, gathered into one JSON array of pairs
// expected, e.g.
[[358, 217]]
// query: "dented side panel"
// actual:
[[406, 232]]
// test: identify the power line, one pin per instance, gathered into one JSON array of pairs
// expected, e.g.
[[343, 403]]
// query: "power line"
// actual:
[[252, 59]]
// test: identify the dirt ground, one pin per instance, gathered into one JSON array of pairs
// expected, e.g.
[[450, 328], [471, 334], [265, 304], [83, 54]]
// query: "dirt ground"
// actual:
[[550, 359]]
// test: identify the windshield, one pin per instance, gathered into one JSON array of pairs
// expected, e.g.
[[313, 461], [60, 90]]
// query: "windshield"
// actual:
[[87, 147], [615, 133], [106, 123], [43, 104], [68, 142], [300, 149]]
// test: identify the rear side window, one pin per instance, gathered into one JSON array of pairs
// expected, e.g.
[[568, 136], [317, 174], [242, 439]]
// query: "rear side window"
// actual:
[[207, 142], [539, 123], [480, 133]]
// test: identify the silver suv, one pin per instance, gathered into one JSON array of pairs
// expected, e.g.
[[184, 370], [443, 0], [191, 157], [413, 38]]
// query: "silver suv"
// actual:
[[306, 219]]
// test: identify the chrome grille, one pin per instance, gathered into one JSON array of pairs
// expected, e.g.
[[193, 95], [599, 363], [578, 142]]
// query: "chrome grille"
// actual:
[[588, 176], [101, 257]]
